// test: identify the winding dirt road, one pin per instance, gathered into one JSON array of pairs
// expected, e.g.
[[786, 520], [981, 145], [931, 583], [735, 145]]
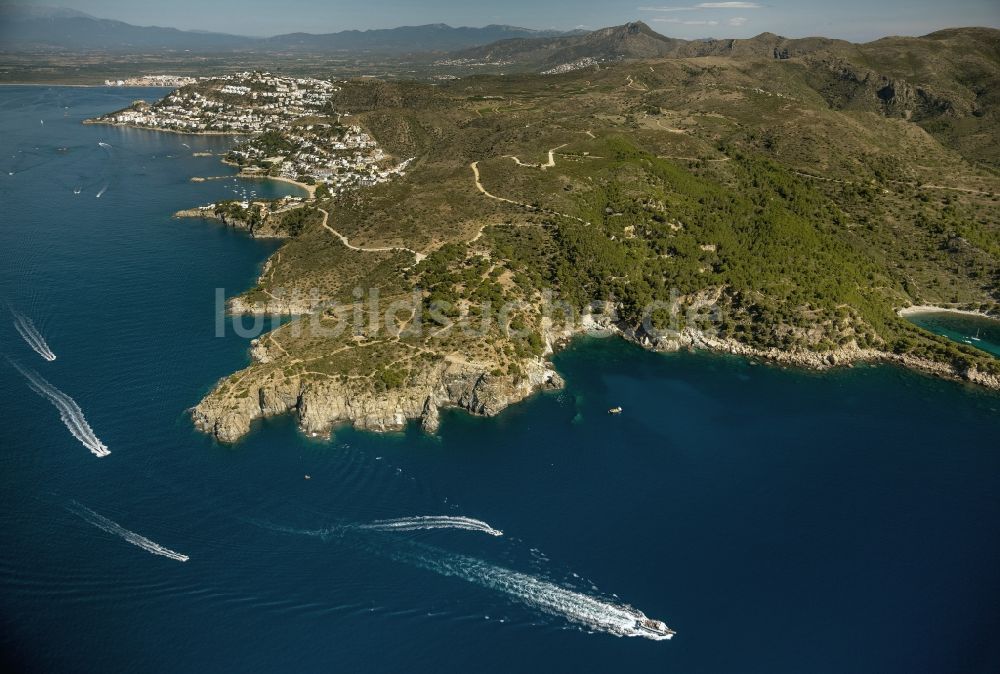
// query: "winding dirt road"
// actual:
[[479, 186], [549, 164], [343, 240]]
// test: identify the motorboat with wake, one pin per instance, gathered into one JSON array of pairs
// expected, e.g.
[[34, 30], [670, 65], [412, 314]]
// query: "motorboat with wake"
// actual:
[[656, 628]]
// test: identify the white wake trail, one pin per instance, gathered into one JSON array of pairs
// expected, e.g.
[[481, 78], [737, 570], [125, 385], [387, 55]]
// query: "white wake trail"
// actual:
[[592, 612], [432, 522], [589, 611], [103, 190], [107, 525], [69, 411], [26, 328]]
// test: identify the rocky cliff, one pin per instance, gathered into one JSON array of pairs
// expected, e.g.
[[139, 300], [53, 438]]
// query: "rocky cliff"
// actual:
[[825, 360], [268, 226], [455, 382], [321, 405]]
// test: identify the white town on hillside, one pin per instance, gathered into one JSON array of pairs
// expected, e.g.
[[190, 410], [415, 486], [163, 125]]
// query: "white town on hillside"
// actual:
[[291, 128]]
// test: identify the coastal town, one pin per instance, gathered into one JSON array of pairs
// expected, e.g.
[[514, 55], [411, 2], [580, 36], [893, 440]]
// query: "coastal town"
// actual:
[[289, 127], [341, 157], [243, 103], [152, 81]]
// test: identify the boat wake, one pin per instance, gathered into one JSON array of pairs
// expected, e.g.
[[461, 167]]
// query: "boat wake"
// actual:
[[69, 411], [107, 525], [396, 525], [591, 612], [432, 522], [103, 190], [26, 328]]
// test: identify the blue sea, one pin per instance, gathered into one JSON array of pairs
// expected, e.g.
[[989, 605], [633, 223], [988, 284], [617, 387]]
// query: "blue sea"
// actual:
[[778, 520]]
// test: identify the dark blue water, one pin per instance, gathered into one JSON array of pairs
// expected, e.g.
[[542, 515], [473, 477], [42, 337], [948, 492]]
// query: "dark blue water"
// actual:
[[780, 521]]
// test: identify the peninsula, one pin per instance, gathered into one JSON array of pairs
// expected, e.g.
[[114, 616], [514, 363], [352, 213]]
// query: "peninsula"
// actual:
[[782, 204]]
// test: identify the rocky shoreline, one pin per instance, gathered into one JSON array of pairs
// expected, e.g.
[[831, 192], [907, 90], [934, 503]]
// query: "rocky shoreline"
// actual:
[[183, 132], [841, 357], [456, 383], [274, 306], [320, 406], [266, 229], [235, 223]]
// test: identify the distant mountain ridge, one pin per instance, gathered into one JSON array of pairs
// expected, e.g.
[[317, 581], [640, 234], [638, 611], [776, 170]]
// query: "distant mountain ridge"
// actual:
[[29, 28], [947, 81], [637, 41], [430, 37], [35, 28], [630, 41]]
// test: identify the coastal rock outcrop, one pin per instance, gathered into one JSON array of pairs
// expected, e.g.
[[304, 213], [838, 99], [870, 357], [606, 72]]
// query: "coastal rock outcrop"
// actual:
[[228, 412], [817, 360], [260, 218], [480, 387], [289, 305]]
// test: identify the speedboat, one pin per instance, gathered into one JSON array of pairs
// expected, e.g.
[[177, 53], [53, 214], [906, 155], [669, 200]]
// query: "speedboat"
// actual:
[[615, 410], [655, 627]]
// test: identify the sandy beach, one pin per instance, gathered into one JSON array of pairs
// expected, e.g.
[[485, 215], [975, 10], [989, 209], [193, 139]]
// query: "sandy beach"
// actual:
[[931, 309], [311, 189]]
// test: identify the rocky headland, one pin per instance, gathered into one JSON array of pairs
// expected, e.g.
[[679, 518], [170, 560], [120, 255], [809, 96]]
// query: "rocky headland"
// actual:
[[455, 382], [319, 406]]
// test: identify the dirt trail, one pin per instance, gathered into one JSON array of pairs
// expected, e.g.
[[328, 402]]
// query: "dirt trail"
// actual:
[[479, 186], [631, 84], [549, 164], [659, 123], [386, 249], [674, 156]]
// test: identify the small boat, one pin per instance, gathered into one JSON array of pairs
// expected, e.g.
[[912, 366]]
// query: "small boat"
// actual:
[[615, 410], [656, 627], [309, 477], [976, 338]]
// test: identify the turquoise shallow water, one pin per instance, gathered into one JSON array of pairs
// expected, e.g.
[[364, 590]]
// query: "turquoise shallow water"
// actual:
[[981, 333], [780, 521]]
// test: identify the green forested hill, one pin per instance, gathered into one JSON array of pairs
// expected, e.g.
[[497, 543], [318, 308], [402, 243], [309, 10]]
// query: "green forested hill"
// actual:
[[788, 206]]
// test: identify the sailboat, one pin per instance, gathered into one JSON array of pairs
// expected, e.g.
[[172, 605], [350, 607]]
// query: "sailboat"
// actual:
[[976, 338]]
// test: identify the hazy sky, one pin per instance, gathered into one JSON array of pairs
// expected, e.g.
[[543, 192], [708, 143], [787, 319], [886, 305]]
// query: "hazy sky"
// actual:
[[851, 19]]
